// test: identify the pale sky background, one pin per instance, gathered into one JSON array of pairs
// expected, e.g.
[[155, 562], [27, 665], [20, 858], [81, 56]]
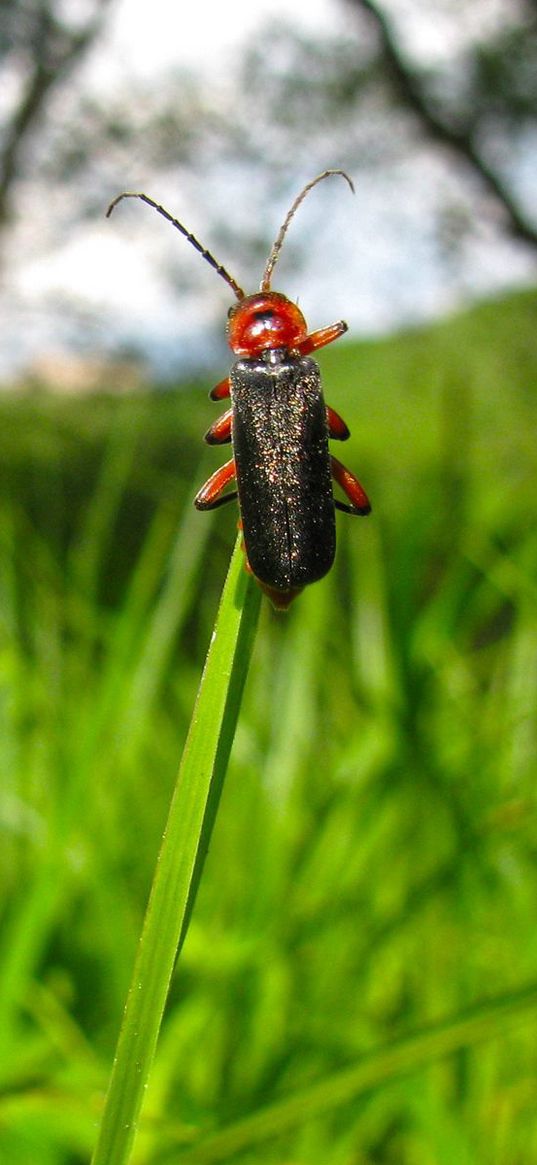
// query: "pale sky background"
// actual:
[[369, 265], [203, 33]]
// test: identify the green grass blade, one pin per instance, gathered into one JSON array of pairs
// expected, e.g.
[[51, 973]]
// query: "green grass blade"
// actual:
[[183, 850], [381, 1067]]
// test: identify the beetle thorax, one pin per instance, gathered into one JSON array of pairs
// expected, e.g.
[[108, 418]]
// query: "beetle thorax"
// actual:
[[265, 320]]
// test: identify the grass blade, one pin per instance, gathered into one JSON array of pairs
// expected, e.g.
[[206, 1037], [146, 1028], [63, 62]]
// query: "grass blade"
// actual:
[[407, 1055], [183, 850]]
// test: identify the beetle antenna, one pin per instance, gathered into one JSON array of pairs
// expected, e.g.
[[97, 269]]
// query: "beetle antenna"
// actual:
[[274, 254], [220, 270]]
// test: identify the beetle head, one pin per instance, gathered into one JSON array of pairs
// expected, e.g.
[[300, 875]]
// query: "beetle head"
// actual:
[[265, 320]]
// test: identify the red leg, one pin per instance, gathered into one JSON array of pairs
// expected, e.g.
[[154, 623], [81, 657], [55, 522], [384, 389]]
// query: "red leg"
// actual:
[[350, 485], [208, 497], [220, 390], [337, 428], [322, 337], [220, 432]]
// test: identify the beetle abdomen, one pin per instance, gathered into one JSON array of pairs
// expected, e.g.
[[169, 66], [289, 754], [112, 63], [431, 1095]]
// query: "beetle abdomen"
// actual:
[[280, 445]]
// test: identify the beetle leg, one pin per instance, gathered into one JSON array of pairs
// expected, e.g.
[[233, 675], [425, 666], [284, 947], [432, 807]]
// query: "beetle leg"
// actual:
[[220, 432], [322, 337], [337, 428], [220, 390], [208, 497], [350, 485]]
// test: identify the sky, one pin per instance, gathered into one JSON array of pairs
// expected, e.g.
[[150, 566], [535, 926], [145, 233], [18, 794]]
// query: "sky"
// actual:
[[203, 34], [388, 278]]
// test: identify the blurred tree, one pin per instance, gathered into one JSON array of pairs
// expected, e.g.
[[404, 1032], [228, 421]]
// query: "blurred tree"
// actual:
[[40, 43], [377, 97], [451, 130], [367, 98], [496, 93]]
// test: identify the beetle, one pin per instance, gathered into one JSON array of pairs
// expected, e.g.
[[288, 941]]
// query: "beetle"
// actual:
[[279, 426]]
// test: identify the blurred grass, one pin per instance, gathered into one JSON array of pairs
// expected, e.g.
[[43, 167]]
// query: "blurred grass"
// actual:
[[372, 873]]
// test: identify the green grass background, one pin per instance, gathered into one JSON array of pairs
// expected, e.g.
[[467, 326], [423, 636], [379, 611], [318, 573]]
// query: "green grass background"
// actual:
[[372, 871]]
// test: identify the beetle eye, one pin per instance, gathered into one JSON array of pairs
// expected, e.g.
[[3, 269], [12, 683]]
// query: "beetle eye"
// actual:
[[231, 311]]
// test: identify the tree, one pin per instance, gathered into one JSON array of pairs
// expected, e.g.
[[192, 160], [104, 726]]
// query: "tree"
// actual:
[[39, 47], [501, 84], [292, 103], [294, 94]]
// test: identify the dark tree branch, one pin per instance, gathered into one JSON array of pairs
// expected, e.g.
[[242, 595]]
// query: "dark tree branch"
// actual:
[[460, 141], [54, 49]]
